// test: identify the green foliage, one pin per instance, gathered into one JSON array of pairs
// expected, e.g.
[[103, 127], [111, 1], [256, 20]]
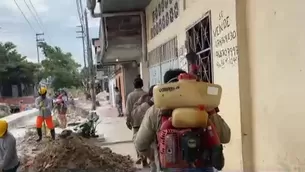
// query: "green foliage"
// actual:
[[61, 67], [14, 68], [84, 73]]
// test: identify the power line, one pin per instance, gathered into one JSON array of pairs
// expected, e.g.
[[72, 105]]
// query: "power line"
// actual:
[[25, 16], [35, 17], [90, 62], [34, 9], [81, 31], [80, 12], [39, 21], [81, 9]]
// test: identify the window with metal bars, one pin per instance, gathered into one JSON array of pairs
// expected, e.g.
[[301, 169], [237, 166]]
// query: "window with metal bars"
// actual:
[[164, 52], [199, 41]]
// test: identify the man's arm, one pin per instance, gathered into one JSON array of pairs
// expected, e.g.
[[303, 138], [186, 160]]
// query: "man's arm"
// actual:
[[37, 105], [10, 152], [120, 98], [146, 133], [129, 106]]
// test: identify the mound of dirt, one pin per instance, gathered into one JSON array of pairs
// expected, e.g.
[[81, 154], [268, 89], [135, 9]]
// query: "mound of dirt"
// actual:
[[70, 152]]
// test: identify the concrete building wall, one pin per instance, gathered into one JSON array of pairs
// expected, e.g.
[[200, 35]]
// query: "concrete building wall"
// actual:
[[144, 72], [130, 73], [271, 41], [224, 56], [111, 85]]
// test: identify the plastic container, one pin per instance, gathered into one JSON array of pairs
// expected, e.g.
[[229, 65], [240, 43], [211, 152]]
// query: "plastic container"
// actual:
[[189, 118], [187, 93]]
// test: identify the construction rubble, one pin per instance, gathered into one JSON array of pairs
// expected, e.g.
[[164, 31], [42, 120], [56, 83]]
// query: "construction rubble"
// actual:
[[70, 152]]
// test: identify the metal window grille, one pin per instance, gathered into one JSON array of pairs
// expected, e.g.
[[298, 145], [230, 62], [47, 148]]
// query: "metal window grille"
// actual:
[[164, 52], [199, 41]]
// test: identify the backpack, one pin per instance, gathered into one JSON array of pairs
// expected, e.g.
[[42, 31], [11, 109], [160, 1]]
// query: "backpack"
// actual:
[[223, 129], [139, 110], [186, 137], [184, 148]]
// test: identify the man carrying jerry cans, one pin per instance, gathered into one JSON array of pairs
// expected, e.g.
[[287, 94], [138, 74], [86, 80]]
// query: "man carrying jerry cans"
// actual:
[[44, 104]]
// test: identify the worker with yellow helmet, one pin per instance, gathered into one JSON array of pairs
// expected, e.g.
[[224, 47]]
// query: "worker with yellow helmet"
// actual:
[[44, 104], [8, 150]]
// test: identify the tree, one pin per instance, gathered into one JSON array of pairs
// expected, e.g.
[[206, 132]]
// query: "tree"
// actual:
[[85, 77], [61, 67], [14, 68]]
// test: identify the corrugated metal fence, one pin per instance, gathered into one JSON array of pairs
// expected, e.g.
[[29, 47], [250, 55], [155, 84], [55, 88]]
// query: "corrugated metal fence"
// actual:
[[161, 59]]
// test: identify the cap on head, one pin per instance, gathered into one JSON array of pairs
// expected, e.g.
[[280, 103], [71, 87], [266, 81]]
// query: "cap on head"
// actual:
[[3, 127], [42, 90]]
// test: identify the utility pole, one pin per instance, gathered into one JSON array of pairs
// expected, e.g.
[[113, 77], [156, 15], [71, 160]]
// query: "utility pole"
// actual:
[[38, 40], [90, 62], [83, 41], [86, 70]]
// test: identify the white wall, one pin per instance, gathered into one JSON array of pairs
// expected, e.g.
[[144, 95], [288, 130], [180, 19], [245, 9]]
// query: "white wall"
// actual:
[[111, 91], [225, 68], [274, 45], [130, 72], [144, 72]]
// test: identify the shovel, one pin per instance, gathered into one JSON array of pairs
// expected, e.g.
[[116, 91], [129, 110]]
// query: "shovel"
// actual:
[[45, 129]]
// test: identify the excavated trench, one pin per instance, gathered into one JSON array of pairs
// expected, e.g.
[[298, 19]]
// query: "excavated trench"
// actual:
[[70, 152], [66, 153]]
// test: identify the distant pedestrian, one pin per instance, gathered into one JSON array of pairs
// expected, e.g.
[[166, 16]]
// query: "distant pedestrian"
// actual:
[[8, 150], [132, 98], [63, 107], [137, 115], [118, 101]]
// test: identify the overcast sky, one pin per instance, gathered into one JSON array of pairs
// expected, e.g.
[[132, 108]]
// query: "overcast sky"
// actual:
[[59, 19]]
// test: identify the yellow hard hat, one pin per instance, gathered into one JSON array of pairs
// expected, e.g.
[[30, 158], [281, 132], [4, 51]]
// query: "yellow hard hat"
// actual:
[[42, 90], [3, 127]]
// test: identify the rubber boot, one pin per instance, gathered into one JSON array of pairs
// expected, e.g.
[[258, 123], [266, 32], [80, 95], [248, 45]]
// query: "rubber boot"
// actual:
[[52, 134], [39, 132], [153, 167], [144, 162]]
